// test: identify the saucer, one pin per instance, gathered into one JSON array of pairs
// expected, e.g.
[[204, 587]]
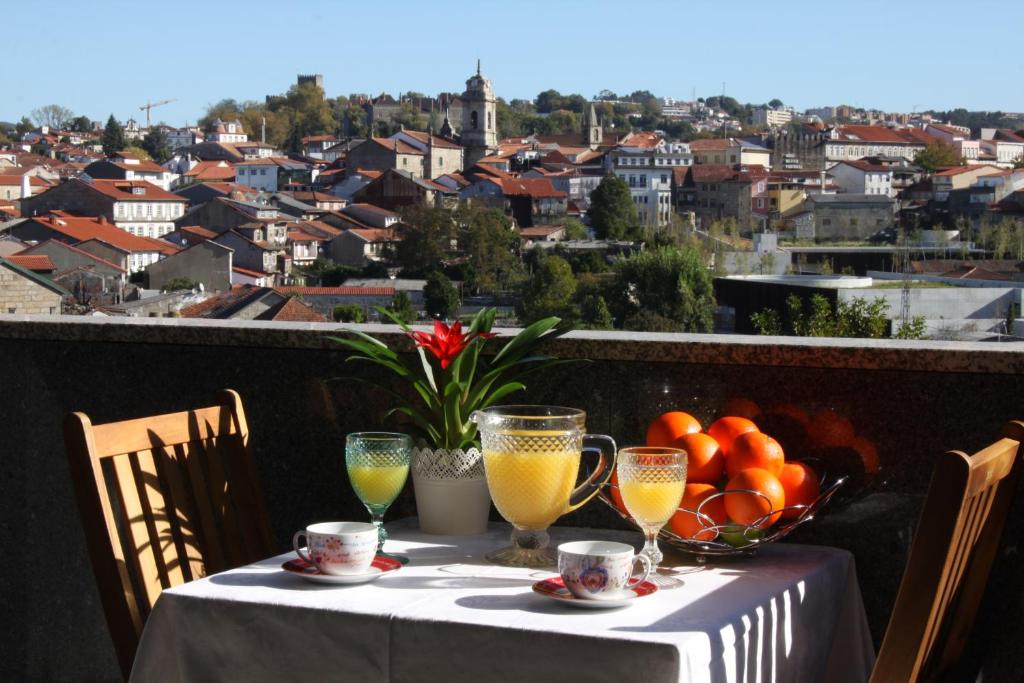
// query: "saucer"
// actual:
[[378, 568], [556, 590]]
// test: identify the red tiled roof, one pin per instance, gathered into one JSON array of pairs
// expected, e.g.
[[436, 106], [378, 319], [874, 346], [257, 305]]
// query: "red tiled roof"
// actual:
[[338, 291], [374, 234], [84, 229], [11, 179], [144, 165], [396, 146], [711, 173], [867, 166], [199, 231], [33, 262], [300, 236], [250, 273], [123, 190], [80, 252], [536, 188], [211, 170], [292, 309], [424, 137]]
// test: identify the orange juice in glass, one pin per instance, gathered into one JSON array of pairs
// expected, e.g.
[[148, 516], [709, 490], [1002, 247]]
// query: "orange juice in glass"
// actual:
[[531, 459], [651, 482]]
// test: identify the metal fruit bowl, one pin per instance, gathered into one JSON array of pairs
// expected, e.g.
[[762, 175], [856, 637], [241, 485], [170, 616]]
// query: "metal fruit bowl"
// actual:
[[751, 536]]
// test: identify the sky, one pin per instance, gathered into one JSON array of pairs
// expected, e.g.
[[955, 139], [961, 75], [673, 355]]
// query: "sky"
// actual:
[[895, 55]]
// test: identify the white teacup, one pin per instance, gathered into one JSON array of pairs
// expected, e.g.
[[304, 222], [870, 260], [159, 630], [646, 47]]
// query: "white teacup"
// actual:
[[338, 547], [598, 570]]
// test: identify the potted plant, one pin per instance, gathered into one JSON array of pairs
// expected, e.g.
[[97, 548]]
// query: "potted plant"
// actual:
[[453, 375]]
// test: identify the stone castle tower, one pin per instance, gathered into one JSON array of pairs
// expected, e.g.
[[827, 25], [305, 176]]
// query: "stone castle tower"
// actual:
[[479, 118], [592, 132]]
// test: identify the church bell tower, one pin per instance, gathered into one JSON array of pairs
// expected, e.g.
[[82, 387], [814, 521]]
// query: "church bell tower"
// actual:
[[479, 118]]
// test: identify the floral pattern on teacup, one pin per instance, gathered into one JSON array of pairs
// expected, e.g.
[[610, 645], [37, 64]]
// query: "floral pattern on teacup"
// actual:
[[594, 579]]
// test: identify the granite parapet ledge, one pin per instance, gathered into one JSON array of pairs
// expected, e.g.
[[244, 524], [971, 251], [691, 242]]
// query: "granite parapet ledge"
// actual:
[[858, 354]]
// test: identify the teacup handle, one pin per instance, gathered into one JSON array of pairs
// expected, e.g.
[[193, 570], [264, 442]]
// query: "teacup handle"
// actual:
[[646, 562], [606, 452], [298, 548]]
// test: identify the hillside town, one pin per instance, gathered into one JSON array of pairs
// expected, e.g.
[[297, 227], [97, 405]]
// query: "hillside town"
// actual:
[[312, 208]]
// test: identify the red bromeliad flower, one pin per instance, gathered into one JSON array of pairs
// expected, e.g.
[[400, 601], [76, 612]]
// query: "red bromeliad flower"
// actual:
[[447, 342]]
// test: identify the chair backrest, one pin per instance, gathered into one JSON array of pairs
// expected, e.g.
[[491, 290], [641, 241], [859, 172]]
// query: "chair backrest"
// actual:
[[956, 542], [164, 500]]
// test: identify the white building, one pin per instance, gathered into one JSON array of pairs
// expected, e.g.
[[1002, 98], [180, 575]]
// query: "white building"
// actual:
[[763, 116], [1005, 146], [269, 174], [226, 131], [646, 166], [183, 137], [862, 177], [957, 137]]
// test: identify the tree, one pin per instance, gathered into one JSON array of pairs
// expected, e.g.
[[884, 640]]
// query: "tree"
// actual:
[[664, 286], [440, 298], [574, 230], [855, 318], [410, 117], [427, 234], [594, 313], [113, 137], [487, 237], [81, 124], [775, 103], [936, 155], [349, 313], [178, 283], [23, 126], [157, 145], [401, 307], [549, 291], [53, 116], [612, 212], [137, 152]]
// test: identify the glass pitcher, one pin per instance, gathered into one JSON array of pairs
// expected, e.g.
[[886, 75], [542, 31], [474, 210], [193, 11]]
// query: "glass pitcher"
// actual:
[[532, 459]]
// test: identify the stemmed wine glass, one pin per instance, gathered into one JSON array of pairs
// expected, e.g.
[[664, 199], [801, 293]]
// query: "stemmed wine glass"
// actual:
[[378, 465], [651, 481]]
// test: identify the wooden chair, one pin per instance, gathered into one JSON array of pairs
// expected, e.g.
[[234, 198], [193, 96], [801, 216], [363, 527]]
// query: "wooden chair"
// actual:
[[164, 500], [957, 538]]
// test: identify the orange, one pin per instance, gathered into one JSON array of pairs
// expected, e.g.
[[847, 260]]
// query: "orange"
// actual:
[[800, 485], [687, 524], [754, 449], [867, 452], [724, 430], [670, 426], [787, 424], [704, 459], [830, 429], [747, 508], [740, 407], [616, 494]]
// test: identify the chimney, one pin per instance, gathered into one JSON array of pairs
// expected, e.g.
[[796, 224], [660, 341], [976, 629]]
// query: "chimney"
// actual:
[[26, 186], [103, 220], [822, 176]]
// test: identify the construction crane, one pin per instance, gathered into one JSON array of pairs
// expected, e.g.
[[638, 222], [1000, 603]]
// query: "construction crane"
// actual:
[[148, 107]]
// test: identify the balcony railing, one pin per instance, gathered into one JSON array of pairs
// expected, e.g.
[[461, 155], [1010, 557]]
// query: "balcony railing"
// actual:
[[912, 399]]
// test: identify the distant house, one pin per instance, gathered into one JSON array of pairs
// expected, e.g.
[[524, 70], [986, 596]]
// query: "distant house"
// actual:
[[255, 255], [23, 291], [124, 166], [324, 299], [353, 182], [359, 246], [273, 173], [219, 171], [207, 263], [718, 191], [541, 233], [226, 131], [136, 206], [850, 216], [396, 188], [730, 151], [239, 303], [96, 236], [223, 213], [21, 186], [314, 146], [368, 214], [528, 200], [381, 154], [863, 177], [92, 279]]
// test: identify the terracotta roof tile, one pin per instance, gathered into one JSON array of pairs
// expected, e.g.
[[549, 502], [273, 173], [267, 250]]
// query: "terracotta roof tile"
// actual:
[[33, 262], [338, 291], [292, 309]]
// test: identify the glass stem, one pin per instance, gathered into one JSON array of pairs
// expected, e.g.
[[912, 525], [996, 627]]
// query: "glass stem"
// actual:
[[382, 534], [651, 549]]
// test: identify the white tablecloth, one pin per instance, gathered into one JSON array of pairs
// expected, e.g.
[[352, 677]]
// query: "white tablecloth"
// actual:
[[792, 613]]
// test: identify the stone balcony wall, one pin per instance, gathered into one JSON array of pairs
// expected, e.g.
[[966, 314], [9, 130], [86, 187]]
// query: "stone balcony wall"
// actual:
[[913, 399]]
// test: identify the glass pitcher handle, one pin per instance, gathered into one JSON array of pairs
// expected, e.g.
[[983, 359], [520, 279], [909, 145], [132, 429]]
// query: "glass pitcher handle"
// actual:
[[605, 445]]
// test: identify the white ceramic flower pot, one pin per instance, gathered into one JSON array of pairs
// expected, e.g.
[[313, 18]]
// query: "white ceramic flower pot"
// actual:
[[451, 491]]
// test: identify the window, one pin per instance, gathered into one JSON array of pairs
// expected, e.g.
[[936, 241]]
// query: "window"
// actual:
[[826, 221], [440, 161], [12, 309], [473, 123], [664, 178], [263, 171], [853, 222], [488, 120], [760, 203]]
